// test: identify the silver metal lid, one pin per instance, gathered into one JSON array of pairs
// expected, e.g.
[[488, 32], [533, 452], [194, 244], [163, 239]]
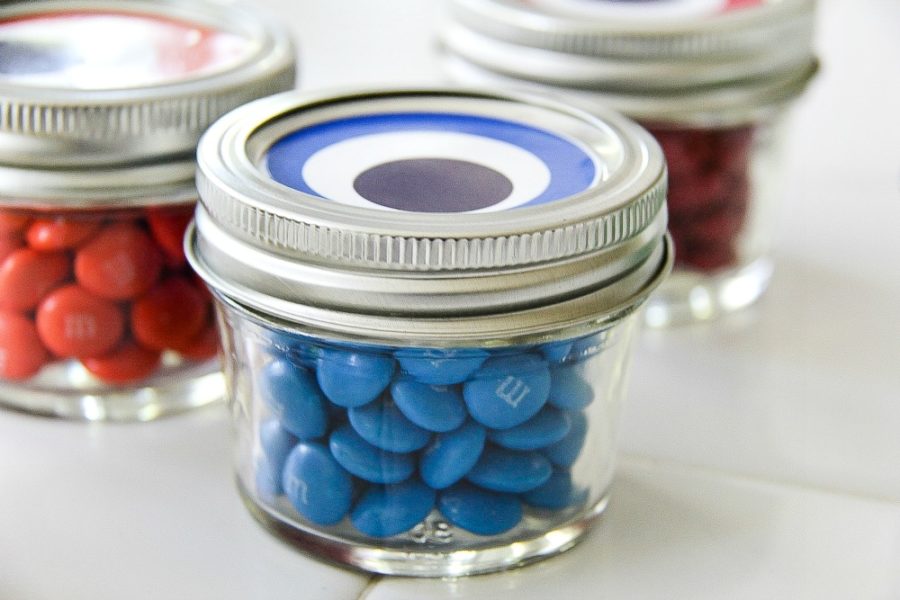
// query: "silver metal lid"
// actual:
[[99, 188], [303, 215], [675, 29], [649, 48], [117, 81], [719, 106]]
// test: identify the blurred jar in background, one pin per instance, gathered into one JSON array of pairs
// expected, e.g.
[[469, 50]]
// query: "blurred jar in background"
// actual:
[[711, 79], [101, 107]]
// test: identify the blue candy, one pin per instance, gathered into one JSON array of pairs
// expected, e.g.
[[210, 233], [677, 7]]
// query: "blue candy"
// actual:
[[556, 352], [365, 460], [568, 390], [353, 378], [557, 493], [268, 481], [297, 349], [480, 511], [588, 346], [508, 390], [383, 425], [292, 395], [318, 488], [564, 452], [547, 427], [451, 455], [276, 443], [503, 470], [440, 367], [383, 511], [436, 408]]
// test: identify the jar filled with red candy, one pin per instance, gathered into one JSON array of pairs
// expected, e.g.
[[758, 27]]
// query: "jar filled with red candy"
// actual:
[[101, 107], [711, 79]]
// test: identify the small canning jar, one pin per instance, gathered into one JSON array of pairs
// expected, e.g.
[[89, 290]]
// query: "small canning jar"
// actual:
[[427, 300], [101, 107], [711, 79]]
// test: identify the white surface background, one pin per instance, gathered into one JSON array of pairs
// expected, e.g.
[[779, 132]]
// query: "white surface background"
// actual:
[[761, 455]]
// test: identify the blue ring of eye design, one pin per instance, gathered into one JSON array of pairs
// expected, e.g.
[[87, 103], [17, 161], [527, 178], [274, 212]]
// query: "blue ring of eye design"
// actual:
[[431, 162]]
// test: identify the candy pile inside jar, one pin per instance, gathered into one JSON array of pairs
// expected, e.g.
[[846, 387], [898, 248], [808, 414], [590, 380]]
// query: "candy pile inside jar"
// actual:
[[109, 290], [709, 192], [387, 437]]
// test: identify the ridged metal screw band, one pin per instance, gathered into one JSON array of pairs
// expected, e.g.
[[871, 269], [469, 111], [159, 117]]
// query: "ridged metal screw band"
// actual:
[[730, 37], [267, 229], [189, 115]]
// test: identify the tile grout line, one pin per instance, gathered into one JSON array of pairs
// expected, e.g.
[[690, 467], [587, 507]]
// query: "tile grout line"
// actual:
[[373, 582], [756, 479]]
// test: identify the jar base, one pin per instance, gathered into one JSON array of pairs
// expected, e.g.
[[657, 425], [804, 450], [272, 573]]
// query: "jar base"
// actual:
[[689, 296], [433, 561], [166, 393]]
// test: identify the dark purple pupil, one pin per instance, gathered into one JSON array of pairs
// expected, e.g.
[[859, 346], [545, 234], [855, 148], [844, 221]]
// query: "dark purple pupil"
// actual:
[[433, 185]]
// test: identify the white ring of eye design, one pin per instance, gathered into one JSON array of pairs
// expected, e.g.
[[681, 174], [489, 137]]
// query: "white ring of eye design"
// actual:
[[331, 171], [662, 9]]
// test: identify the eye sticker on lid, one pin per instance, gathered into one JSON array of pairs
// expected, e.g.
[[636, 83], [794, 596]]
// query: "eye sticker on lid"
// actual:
[[431, 163]]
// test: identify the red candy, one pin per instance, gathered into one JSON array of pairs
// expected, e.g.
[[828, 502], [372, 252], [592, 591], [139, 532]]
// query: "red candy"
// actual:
[[127, 363], [21, 352], [709, 191], [168, 227], [169, 315], [26, 276], [60, 233], [113, 291], [9, 243], [203, 346], [72, 322], [12, 221], [120, 263]]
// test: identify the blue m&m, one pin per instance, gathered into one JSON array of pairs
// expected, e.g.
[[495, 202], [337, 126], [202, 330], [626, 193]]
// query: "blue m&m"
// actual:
[[383, 425], [294, 398], [318, 488], [451, 455], [381, 440], [436, 408], [508, 390], [351, 378]]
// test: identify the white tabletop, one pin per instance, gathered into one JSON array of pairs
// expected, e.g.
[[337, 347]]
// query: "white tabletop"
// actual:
[[760, 455]]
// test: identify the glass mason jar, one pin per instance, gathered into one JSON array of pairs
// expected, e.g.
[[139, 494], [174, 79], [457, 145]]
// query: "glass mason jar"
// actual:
[[427, 299], [711, 79], [102, 106]]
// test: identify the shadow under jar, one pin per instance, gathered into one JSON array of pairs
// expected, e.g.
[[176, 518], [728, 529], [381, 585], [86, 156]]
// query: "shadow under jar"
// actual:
[[101, 317], [427, 302], [711, 79]]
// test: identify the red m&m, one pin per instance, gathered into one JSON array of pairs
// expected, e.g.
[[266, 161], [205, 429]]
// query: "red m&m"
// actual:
[[121, 263], [27, 275], [111, 290], [74, 322], [21, 352]]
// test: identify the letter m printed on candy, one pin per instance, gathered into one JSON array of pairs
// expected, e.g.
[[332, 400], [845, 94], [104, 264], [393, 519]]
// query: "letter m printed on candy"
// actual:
[[512, 390]]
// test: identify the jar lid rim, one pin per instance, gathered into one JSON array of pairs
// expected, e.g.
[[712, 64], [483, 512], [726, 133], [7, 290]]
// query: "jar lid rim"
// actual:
[[284, 245], [55, 125]]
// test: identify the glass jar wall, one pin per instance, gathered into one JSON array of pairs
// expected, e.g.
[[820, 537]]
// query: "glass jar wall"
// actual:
[[406, 460]]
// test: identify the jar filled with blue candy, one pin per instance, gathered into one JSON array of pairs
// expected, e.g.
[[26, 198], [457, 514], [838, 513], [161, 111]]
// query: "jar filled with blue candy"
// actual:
[[426, 300]]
